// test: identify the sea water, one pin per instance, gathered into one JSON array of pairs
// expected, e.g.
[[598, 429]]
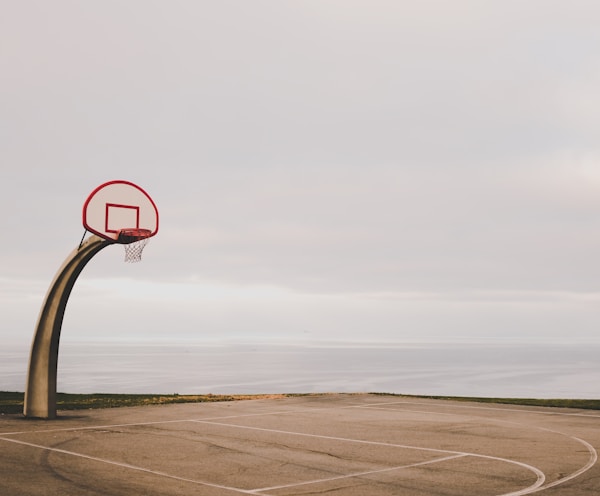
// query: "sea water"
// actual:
[[466, 369]]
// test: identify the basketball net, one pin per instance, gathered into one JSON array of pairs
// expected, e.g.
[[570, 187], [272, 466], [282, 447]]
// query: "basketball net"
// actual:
[[133, 251], [134, 241]]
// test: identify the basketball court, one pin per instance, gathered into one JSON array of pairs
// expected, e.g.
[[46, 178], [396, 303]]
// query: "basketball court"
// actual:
[[336, 444]]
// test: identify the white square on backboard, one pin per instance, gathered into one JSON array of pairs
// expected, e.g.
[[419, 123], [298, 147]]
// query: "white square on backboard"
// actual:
[[121, 217]]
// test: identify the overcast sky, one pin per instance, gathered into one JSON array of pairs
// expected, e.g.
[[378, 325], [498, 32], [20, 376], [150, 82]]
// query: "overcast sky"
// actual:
[[325, 170]]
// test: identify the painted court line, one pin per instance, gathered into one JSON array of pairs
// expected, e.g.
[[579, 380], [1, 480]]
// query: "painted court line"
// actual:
[[90, 427], [591, 450], [156, 422], [537, 486], [125, 465], [540, 476], [473, 407], [591, 462], [358, 474], [331, 438], [454, 455]]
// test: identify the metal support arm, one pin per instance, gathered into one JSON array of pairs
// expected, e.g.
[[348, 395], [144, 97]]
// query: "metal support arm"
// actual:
[[40, 392]]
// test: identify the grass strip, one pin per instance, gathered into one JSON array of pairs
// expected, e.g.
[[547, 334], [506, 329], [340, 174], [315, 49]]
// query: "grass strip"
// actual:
[[556, 403], [12, 402]]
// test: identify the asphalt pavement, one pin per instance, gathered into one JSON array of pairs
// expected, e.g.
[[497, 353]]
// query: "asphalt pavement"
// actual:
[[334, 444]]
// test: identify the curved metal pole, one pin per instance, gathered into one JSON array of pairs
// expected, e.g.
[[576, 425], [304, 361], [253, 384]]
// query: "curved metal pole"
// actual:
[[40, 393]]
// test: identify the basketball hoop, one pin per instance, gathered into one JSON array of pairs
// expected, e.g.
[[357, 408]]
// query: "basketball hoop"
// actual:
[[121, 212], [134, 241]]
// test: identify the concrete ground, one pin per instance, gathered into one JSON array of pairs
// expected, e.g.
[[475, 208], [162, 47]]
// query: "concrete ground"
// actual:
[[337, 444]]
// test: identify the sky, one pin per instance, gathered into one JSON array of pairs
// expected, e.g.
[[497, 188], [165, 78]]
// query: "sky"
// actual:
[[326, 171]]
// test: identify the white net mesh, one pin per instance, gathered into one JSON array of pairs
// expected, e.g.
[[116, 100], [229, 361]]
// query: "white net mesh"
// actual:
[[133, 251]]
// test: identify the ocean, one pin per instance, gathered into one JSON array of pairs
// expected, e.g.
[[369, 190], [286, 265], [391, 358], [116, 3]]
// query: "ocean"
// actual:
[[465, 369]]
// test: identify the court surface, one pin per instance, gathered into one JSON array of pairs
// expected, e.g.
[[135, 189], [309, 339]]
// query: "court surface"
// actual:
[[338, 444]]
